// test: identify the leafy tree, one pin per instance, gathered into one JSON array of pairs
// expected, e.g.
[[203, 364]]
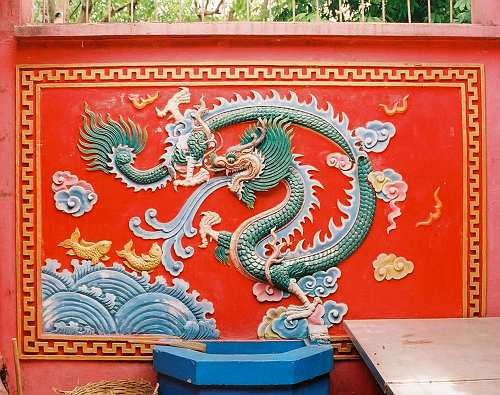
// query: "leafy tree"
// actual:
[[353, 10], [75, 11]]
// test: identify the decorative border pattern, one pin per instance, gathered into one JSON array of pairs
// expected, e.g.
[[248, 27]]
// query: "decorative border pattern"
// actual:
[[30, 79], [343, 348]]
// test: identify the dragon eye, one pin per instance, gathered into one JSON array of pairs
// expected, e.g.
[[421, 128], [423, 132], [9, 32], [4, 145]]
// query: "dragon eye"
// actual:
[[231, 157]]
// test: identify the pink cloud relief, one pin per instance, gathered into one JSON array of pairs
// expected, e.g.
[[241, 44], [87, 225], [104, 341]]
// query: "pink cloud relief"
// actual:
[[396, 192], [63, 180], [339, 161], [266, 293]]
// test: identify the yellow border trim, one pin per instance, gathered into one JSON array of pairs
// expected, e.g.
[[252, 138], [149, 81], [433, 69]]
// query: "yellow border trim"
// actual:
[[30, 79]]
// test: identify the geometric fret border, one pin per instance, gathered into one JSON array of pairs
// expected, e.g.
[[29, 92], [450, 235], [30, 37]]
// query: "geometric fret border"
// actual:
[[31, 79]]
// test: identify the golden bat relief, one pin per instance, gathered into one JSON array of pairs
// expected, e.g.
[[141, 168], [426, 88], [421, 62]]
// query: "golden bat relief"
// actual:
[[141, 102], [397, 108], [434, 216]]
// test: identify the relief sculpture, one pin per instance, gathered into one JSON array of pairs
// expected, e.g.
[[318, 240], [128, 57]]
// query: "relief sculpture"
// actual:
[[264, 158], [235, 202]]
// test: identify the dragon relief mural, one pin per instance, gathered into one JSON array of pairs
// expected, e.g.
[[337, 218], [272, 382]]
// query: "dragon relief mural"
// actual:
[[194, 201], [259, 248]]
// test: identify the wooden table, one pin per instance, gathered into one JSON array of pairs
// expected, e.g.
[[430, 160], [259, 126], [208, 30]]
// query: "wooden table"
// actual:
[[456, 356]]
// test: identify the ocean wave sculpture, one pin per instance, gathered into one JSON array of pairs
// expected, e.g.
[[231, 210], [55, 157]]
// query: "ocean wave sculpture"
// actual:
[[100, 300]]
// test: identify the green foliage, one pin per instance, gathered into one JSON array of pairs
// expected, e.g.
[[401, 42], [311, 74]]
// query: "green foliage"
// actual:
[[372, 10], [260, 10], [462, 11]]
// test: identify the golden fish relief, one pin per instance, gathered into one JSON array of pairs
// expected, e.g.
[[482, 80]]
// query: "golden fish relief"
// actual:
[[144, 262], [93, 251]]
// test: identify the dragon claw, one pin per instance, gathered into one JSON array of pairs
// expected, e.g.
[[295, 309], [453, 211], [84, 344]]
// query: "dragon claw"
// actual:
[[276, 256], [208, 219], [305, 311], [295, 312], [192, 180]]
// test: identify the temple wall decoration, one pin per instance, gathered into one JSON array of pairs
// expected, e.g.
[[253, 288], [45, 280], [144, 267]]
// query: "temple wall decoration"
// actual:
[[240, 201]]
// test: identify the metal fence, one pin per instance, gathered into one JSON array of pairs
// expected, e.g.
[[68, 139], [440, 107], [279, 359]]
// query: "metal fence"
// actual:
[[172, 11]]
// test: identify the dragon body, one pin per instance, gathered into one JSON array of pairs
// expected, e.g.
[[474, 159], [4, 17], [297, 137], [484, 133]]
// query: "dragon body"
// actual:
[[245, 239], [261, 161]]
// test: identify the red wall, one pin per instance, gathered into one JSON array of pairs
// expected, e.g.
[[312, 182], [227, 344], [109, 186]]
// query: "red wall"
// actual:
[[350, 377]]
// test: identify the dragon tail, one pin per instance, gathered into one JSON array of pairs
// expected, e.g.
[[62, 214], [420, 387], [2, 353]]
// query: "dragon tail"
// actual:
[[99, 137]]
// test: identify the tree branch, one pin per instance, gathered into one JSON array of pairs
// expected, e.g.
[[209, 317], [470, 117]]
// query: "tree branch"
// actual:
[[74, 10], [83, 12], [216, 11], [119, 9]]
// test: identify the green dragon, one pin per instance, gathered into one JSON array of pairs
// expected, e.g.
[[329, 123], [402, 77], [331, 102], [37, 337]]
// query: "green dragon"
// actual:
[[262, 160]]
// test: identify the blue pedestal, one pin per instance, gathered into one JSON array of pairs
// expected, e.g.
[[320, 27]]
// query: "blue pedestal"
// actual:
[[245, 367]]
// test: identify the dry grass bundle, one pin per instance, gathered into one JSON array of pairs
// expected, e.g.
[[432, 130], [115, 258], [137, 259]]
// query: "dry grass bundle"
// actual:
[[114, 387]]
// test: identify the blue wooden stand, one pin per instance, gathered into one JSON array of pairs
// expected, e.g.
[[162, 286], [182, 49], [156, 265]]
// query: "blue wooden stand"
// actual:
[[245, 367]]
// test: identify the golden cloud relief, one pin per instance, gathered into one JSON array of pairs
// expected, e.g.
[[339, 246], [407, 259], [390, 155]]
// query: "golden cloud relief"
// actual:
[[390, 266]]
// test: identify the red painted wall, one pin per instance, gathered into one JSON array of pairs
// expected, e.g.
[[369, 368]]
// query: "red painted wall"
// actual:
[[350, 377]]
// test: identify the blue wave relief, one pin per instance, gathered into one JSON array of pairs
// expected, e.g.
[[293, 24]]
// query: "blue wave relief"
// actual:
[[298, 329], [100, 300]]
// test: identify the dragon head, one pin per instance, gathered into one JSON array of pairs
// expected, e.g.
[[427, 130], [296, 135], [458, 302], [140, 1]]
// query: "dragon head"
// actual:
[[242, 161], [259, 162]]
